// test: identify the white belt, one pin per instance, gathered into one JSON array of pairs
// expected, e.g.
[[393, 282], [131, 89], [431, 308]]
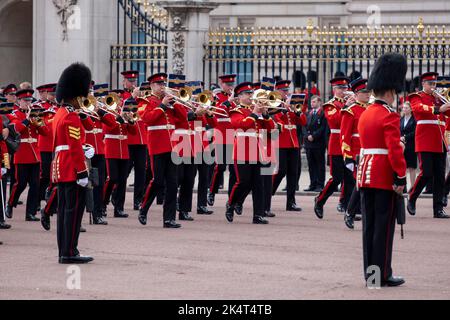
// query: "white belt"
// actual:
[[164, 127], [442, 123], [248, 134], [185, 132], [29, 140], [374, 151], [224, 120], [356, 135], [61, 148], [290, 127], [200, 129], [115, 136], [95, 131], [335, 131]]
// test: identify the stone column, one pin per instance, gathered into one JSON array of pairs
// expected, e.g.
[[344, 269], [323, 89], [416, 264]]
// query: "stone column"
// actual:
[[90, 32], [188, 28]]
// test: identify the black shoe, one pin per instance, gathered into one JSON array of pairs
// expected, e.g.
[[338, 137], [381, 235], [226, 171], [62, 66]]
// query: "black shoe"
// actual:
[[293, 207], [357, 218], [83, 229], [120, 214], [31, 218], [238, 209], [4, 226], [204, 211], [444, 201], [260, 220], [340, 208], [393, 282], [230, 213], [440, 214], [269, 214], [75, 260], [142, 217], [318, 189], [104, 212], [411, 207], [310, 188], [349, 221], [136, 206], [184, 216], [211, 199], [318, 209], [9, 212], [99, 221], [19, 203], [45, 221], [171, 224]]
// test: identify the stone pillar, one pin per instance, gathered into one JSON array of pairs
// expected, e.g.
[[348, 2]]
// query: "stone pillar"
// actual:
[[91, 29], [188, 28]]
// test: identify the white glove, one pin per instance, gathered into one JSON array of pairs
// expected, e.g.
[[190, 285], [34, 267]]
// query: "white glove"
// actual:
[[350, 166], [89, 153], [83, 182], [4, 171]]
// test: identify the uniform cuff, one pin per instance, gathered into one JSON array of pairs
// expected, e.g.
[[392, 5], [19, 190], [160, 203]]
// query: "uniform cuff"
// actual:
[[101, 112], [191, 116], [163, 106], [120, 120], [82, 116], [436, 110], [254, 116], [399, 181], [26, 122], [82, 175]]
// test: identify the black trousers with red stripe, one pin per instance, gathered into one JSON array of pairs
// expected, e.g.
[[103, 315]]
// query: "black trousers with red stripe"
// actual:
[[117, 180], [349, 186], [203, 183], [71, 204], [287, 167], [224, 156], [46, 162], [337, 175], [248, 179], [186, 179], [138, 160], [51, 207], [378, 229], [432, 168], [164, 172], [26, 174]]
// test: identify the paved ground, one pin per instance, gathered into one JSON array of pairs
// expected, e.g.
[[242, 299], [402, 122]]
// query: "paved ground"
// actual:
[[295, 257]]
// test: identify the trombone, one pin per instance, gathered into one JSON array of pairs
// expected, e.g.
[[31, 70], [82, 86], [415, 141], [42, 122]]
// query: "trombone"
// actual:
[[181, 96], [271, 98], [442, 95], [87, 105], [204, 100]]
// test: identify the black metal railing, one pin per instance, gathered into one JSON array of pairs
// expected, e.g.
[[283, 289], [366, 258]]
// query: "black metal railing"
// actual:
[[141, 40], [254, 53]]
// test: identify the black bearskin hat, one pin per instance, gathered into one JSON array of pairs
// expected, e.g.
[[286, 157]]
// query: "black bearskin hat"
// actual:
[[338, 74], [312, 76], [74, 82], [389, 73], [355, 75], [299, 79]]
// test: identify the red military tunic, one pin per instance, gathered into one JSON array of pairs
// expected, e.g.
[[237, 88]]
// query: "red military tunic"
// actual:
[[28, 151], [288, 123], [223, 129], [45, 142], [69, 163], [332, 111], [116, 140], [160, 124], [190, 136], [95, 137], [351, 145], [430, 130], [250, 145], [382, 152], [4, 151]]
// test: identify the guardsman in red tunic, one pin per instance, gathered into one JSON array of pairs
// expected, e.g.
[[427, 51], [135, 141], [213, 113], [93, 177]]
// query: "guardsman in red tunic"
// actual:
[[45, 142], [382, 169], [249, 151], [10, 94], [5, 108], [431, 145], [117, 155], [351, 146], [130, 79], [332, 111], [28, 157], [161, 115], [69, 169], [289, 149], [95, 137], [223, 136]]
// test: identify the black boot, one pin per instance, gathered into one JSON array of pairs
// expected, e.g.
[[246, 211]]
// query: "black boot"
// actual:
[[9, 212], [171, 224], [45, 221], [260, 220], [293, 207], [340, 208], [230, 213], [184, 216], [99, 221], [440, 214], [411, 207], [120, 214], [349, 221], [31, 218], [318, 208], [4, 226], [204, 211], [269, 214], [238, 209], [211, 199]]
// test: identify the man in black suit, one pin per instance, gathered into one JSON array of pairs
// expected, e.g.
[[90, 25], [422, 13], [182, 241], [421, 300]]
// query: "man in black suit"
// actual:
[[315, 145]]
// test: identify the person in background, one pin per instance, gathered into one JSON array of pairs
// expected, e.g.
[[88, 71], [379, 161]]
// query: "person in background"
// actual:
[[408, 132]]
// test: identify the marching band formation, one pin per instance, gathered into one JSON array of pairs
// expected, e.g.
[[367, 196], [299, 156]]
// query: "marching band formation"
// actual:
[[76, 145]]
